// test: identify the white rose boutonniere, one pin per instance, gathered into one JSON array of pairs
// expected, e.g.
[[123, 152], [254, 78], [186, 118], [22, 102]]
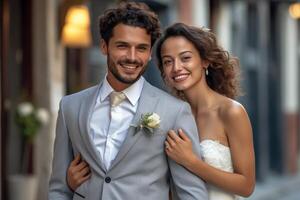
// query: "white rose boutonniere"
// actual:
[[149, 122]]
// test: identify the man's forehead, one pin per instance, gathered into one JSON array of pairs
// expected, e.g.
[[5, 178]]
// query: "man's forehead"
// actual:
[[130, 34]]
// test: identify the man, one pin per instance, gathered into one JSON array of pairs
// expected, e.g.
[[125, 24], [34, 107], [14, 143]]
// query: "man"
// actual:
[[127, 161]]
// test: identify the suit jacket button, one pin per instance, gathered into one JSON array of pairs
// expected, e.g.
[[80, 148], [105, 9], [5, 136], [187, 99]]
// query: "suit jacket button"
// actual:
[[107, 179]]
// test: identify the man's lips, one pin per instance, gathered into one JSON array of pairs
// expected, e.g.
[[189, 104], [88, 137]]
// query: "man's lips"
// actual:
[[129, 66]]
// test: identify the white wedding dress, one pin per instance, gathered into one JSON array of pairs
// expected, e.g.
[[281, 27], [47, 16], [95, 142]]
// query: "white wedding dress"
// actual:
[[218, 156]]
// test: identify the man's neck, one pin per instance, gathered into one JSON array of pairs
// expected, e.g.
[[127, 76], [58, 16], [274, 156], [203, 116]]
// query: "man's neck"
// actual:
[[116, 84]]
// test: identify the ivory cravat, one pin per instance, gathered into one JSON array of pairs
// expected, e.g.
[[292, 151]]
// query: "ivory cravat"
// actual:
[[116, 98], [109, 125]]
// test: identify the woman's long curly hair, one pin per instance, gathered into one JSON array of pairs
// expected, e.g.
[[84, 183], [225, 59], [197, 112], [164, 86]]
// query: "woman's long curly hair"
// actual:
[[223, 70]]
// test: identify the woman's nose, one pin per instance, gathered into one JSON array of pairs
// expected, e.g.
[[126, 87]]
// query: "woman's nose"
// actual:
[[177, 65]]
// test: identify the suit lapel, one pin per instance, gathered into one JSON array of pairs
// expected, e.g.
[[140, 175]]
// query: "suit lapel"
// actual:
[[147, 103], [85, 114]]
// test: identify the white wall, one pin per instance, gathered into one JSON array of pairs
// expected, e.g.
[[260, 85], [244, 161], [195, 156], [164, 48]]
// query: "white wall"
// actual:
[[290, 64], [49, 82], [200, 12]]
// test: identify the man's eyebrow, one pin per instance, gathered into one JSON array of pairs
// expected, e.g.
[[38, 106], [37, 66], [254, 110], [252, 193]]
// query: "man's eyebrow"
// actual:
[[142, 44], [120, 42]]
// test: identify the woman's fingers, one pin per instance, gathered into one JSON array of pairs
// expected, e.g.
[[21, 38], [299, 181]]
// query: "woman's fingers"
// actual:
[[83, 175], [171, 141], [84, 178], [78, 172], [76, 160], [183, 135], [167, 145], [81, 165], [84, 171], [174, 136]]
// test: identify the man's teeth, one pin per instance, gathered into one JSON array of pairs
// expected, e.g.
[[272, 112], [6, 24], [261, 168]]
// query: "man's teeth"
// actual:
[[129, 67], [180, 77]]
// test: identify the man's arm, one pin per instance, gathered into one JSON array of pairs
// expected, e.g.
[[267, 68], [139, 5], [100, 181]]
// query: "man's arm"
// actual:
[[63, 155], [187, 186]]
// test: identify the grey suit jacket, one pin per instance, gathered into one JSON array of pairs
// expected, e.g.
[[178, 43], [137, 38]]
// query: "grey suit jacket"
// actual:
[[141, 169]]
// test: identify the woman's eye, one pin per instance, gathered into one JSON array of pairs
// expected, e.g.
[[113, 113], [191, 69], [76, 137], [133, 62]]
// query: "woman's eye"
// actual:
[[167, 62], [186, 58]]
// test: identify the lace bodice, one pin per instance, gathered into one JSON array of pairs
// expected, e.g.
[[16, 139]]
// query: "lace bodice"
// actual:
[[217, 155]]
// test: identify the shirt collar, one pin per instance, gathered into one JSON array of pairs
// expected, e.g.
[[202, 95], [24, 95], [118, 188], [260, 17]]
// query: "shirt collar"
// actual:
[[132, 93], [105, 90]]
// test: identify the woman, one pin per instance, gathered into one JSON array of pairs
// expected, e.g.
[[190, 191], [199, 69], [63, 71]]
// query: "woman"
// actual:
[[202, 73]]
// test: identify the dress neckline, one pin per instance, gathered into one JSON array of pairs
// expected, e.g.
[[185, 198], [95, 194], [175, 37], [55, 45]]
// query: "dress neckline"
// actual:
[[214, 141]]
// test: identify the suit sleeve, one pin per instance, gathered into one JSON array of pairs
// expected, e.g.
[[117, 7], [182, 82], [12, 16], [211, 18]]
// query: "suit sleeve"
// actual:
[[62, 156], [186, 185]]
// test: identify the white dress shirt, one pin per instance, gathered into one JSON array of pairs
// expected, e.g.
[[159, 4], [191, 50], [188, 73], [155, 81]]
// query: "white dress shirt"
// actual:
[[109, 126]]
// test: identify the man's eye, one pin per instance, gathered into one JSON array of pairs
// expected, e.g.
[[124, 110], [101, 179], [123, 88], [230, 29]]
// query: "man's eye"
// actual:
[[121, 46], [143, 48]]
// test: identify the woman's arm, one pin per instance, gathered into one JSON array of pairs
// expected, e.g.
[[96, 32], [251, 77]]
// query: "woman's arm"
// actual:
[[239, 133]]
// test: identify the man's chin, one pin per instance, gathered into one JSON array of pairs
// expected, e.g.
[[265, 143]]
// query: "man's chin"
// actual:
[[128, 80]]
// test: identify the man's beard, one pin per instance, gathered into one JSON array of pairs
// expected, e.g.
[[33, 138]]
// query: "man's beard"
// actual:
[[113, 69]]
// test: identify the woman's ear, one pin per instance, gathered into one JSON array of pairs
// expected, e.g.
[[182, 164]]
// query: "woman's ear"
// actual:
[[205, 64], [103, 46]]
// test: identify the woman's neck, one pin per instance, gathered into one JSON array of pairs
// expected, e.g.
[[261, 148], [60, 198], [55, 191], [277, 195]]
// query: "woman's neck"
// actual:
[[200, 97]]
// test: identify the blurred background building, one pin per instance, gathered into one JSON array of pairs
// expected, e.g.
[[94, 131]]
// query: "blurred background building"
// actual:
[[47, 51]]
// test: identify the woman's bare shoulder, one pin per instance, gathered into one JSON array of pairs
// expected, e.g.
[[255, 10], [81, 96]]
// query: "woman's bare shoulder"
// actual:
[[231, 110]]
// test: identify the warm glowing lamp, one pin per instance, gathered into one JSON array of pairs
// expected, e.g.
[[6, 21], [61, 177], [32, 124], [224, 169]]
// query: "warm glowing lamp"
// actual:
[[294, 10], [76, 30]]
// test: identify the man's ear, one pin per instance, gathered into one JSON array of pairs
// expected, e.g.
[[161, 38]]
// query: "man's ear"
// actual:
[[150, 55], [103, 47]]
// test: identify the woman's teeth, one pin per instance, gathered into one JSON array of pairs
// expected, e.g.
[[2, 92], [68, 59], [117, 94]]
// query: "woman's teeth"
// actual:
[[180, 77]]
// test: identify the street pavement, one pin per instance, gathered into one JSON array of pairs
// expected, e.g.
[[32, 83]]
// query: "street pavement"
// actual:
[[277, 188]]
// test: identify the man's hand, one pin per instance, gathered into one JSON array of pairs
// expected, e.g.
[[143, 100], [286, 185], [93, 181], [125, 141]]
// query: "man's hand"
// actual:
[[78, 172]]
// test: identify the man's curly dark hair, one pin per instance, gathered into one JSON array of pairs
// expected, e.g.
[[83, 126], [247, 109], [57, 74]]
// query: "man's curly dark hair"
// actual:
[[132, 14]]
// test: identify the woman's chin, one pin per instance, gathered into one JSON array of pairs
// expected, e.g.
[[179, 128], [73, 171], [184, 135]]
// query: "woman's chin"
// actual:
[[180, 88]]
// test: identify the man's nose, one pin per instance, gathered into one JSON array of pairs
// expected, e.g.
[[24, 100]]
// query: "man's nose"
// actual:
[[132, 54]]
